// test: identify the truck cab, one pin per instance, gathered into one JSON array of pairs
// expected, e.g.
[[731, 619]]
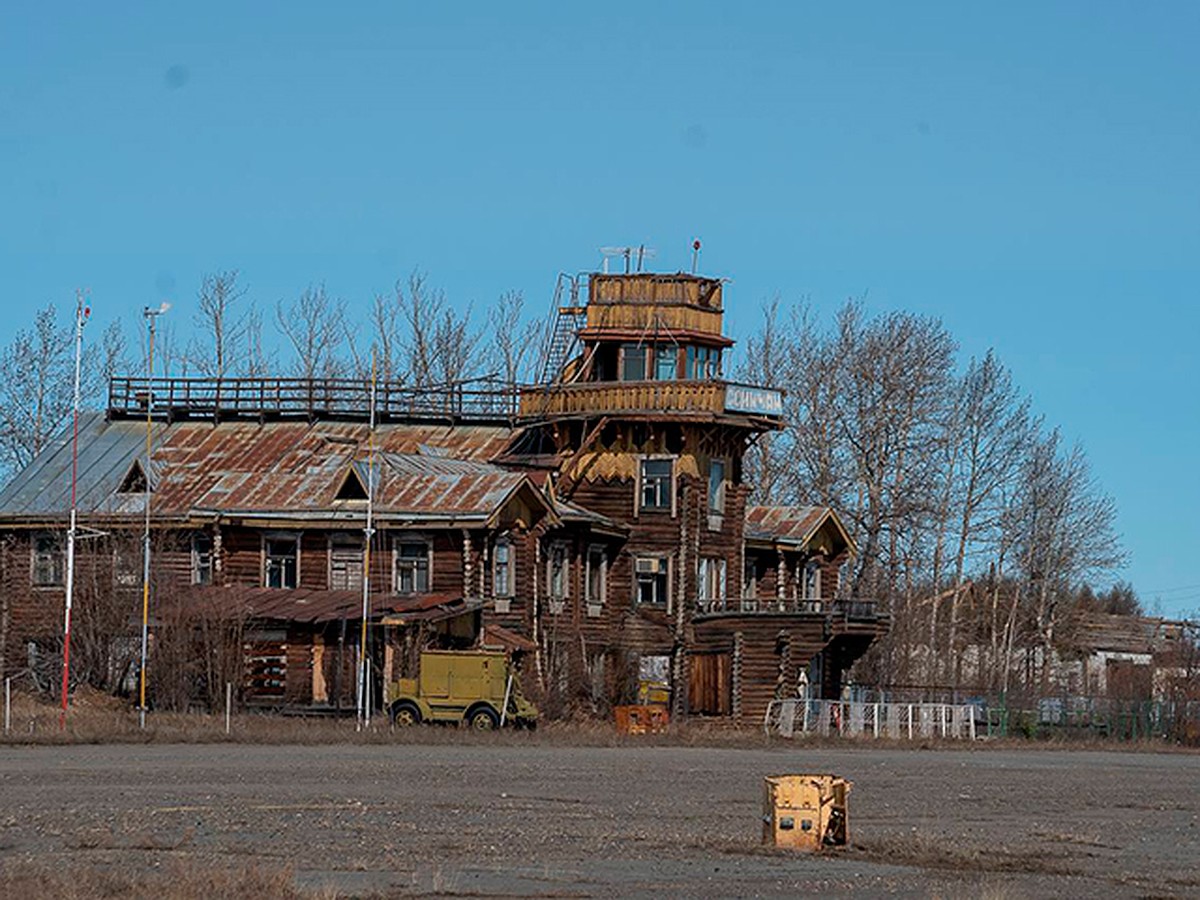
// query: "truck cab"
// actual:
[[470, 686]]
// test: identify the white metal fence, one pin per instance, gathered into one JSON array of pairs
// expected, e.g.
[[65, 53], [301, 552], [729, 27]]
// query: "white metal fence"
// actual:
[[854, 719]]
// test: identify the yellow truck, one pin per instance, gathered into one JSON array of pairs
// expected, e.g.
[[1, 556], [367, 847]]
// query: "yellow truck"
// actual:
[[478, 687]]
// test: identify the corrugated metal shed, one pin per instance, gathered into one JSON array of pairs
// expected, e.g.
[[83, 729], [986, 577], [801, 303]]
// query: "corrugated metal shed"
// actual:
[[269, 468]]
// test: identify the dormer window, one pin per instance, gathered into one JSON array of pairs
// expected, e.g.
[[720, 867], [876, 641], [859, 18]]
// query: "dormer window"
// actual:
[[134, 481]]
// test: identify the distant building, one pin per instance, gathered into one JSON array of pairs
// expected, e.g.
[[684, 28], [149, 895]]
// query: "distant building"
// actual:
[[598, 521]]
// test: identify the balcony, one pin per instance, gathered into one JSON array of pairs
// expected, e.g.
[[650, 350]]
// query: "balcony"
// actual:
[[682, 399], [847, 609]]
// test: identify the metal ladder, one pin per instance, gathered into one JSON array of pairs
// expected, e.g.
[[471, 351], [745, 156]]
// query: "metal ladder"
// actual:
[[564, 336]]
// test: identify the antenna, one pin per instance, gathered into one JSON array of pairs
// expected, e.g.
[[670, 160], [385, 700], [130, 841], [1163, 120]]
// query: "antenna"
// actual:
[[695, 255], [631, 255]]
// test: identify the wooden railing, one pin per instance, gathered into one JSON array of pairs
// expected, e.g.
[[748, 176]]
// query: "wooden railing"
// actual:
[[847, 608], [679, 397], [305, 398]]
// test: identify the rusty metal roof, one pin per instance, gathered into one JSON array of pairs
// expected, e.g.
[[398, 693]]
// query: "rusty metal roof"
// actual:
[[311, 605], [284, 468], [791, 525]]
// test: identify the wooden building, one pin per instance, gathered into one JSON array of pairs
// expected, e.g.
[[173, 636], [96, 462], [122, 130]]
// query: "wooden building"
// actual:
[[598, 520]]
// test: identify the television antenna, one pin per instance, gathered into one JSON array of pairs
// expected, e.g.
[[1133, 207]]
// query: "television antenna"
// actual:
[[634, 257]]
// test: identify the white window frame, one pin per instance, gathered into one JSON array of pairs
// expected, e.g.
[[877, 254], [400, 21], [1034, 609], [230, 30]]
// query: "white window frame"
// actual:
[[196, 555], [638, 504], [505, 542], [267, 538], [57, 556], [554, 549], [712, 585], [401, 540]]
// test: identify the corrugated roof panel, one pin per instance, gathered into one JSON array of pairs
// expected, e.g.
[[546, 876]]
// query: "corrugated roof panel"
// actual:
[[270, 467]]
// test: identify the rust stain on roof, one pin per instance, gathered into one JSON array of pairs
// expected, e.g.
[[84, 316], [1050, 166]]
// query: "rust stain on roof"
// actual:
[[794, 525], [275, 467]]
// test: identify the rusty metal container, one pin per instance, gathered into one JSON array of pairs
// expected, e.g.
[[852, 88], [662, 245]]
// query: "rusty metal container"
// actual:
[[806, 812]]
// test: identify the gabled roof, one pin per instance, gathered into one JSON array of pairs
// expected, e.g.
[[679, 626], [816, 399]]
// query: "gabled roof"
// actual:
[[275, 469], [794, 526]]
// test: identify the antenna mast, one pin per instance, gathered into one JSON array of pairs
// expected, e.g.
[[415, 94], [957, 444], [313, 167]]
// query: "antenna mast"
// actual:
[[81, 316], [364, 712]]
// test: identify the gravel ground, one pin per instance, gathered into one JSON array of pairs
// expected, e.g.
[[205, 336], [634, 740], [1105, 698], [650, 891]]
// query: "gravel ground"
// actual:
[[602, 821]]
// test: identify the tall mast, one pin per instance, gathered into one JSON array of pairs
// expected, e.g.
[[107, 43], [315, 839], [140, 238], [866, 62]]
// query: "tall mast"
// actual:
[[151, 317], [81, 316], [364, 712]]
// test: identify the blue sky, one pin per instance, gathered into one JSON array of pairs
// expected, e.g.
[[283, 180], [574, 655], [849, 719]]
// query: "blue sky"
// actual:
[[1027, 172]]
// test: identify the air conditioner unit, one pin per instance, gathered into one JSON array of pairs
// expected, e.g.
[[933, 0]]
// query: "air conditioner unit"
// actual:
[[648, 566]]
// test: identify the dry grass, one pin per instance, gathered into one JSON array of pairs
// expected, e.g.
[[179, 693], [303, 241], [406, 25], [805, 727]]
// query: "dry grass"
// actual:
[[177, 881], [97, 718]]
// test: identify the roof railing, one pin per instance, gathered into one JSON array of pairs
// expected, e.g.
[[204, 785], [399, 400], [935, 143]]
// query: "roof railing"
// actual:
[[479, 400]]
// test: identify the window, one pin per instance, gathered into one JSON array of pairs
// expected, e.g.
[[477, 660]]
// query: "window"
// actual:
[[666, 362], [656, 483], [502, 569], [345, 562], [282, 561], [47, 561], [716, 487], [711, 583], [810, 585], [556, 572], [412, 567], [202, 560], [127, 565], [594, 584], [633, 362], [703, 363], [750, 579], [651, 581]]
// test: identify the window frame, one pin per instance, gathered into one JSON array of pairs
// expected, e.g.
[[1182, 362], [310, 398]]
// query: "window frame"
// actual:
[[196, 555], [712, 581], [592, 551], [345, 539], [554, 548], [624, 358], [57, 558], [267, 540], [716, 504], [666, 572], [664, 355], [400, 541], [506, 543], [640, 488]]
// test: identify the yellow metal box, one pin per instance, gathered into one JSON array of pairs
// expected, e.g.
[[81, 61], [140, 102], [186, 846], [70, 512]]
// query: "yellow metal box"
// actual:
[[805, 812]]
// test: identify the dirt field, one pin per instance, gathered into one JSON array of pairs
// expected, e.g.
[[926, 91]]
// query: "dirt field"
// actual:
[[558, 821]]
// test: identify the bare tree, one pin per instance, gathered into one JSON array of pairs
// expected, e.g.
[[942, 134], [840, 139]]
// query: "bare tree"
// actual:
[[313, 325], [37, 371], [219, 346]]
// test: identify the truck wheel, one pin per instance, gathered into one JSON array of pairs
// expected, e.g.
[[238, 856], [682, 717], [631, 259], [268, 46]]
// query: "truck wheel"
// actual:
[[405, 714], [483, 719]]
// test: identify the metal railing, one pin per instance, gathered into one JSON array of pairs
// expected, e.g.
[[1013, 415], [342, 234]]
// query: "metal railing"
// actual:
[[308, 398], [847, 718]]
